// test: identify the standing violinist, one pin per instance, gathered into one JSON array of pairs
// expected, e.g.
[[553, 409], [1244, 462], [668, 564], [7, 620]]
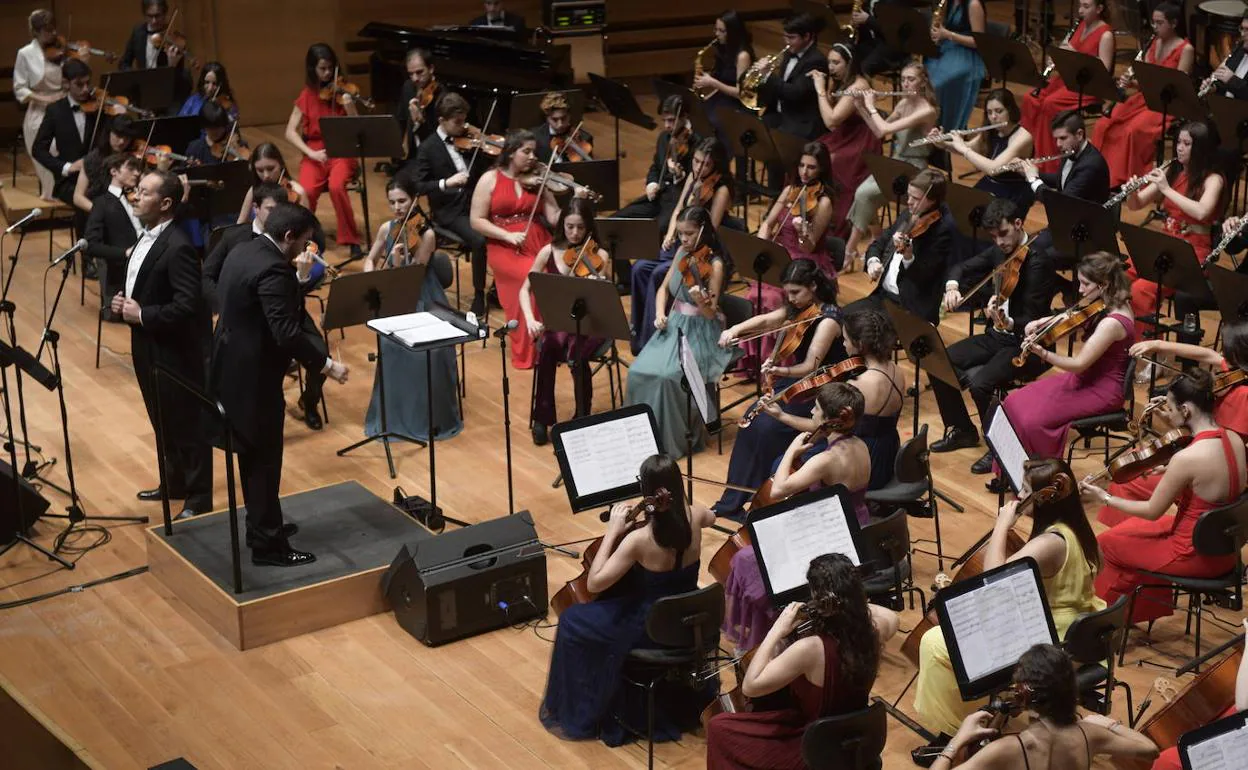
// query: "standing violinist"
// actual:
[[321, 98], [810, 302], [442, 176], [214, 86], [641, 558], [146, 49], [1207, 474], [407, 402], [573, 250], [557, 132], [1064, 547], [71, 128], [708, 185], [268, 166], [416, 108], [983, 361], [910, 260], [828, 672], [37, 84]]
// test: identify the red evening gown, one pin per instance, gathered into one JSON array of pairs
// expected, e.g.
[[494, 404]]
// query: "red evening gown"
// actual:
[[1039, 111], [511, 265], [1128, 137], [772, 740], [1164, 545]]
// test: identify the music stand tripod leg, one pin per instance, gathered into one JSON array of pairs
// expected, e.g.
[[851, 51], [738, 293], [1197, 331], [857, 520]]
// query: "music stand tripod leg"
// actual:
[[385, 435]]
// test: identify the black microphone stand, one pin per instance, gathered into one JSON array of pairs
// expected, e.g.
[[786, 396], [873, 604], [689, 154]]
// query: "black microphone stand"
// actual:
[[74, 511], [31, 469]]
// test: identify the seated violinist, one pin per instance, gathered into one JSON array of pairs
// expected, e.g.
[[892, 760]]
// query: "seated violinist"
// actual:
[[1207, 474], [112, 228], [650, 550], [846, 460], [416, 109], [119, 138], [153, 43], [983, 362], [219, 127], [555, 133], [70, 128], [829, 671], [1055, 737], [809, 302], [572, 251], [1064, 547], [268, 166], [673, 156], [214, 86], [708, 185]]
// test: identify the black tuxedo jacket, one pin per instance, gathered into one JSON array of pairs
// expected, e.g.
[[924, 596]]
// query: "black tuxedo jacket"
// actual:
[[258, 333], [135, 57], [658, 162], [1236, 87], [792, 103], [513, 20], [58, 124], [543, 135], [109, 231], [433, 164], [231, 237], [921, 286], [416, 135], [1032, 298], [1088, 179]]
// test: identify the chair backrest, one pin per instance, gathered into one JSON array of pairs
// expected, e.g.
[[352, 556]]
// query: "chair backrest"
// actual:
[[1094, 636], [911, 463], [851, 741], [1128, 386], [736, 309], [689, 620], [440, 266], [1222, 531], [886, 542]]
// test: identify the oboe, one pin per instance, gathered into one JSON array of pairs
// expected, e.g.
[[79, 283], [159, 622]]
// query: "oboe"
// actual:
[[957, 132], [1132, 185], [1222, 244]]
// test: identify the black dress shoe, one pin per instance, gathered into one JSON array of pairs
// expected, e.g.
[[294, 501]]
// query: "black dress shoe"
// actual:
[[478, 304], [492, 296], [188, 513], [982, 465], [956, 438], [539, 434], [289, 529], [285, 557], [312, 417], [153, 495]]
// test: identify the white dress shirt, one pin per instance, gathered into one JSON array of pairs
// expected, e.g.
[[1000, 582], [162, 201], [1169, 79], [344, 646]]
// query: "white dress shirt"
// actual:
[[461, 165], [1068, 165], [151, 54], [1241, 69], [116, 192], [138, 254]]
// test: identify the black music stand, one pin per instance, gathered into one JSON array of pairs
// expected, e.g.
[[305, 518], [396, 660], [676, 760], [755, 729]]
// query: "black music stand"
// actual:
[[907, 30], [151, 89], [1086, 226], [788, 149], [627, 239], [1170, 92], [601, 176], [619, 101], [1006, 59], [1167, 261], [176, 133], [364, 297], [766, 260], [360, 137], [751, 140], [696, 108], [235, 178], [1084, 74], [1230, 292], [1231, 118], [892, 176], [526, 109], [967, 205], [924, 347], [832, 31]]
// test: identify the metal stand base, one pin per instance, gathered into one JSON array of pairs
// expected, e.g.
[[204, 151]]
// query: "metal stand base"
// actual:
[[23, 540]]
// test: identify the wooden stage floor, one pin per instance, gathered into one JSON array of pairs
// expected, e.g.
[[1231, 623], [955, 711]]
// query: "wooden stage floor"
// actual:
[[136, 678]]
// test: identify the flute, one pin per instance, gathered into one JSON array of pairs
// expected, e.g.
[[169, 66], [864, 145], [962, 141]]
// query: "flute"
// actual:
[[854, 91], [1017, 163], [956, 132]]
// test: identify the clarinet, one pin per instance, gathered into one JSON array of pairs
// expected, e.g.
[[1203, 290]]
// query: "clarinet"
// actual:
[[1222, 244], [1128, 75], [1207, 85], [1132, 185]]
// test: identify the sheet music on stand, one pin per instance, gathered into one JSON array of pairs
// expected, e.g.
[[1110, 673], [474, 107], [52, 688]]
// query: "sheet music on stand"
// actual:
[[1220, 745], [416, 328], [787, 535], [990, 620], [600, 455], [693, 375], [1007, 448]]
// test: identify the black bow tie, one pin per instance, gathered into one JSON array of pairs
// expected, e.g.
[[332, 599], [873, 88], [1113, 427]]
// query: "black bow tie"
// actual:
[[450, 140], [75, 107]]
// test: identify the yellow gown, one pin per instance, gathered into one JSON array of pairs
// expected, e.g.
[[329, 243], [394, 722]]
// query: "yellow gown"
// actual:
[[1069, 592]]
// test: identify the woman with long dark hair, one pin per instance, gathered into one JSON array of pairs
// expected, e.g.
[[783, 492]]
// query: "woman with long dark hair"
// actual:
[[828, 671], [317, 171], [638, 562], [694, 282], [268, 165], [213, 85], [1044, 680], [93, 181], [988, 151], [734, 52], [807, 293], [1064, 547]]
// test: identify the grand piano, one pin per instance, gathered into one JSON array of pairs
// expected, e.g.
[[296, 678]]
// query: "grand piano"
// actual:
[[469, 61]]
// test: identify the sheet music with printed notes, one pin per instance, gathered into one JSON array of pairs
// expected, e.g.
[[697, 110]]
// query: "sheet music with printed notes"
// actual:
[[1221, 752], [416, 328], [607, 455], [788, 541], [1008, 448], [996, 623]]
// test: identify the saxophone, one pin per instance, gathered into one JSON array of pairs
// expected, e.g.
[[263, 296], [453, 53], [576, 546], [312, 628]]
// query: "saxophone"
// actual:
[[755, 76], [938, 15], [850, 29], [700, 69]]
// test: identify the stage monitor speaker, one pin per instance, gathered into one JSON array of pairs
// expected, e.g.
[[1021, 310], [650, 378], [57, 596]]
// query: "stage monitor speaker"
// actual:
[[33, 504], [469, 581]]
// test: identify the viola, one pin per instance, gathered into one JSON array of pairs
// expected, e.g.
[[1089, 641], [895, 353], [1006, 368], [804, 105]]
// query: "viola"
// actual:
[[58, 49], [572, 149], [409, 230], [559, 183], [764, 496], [155, 153], [425, 97], [227, 150], [1059, 326], [576, 590], [584, 262], [806, 388], [475, 139], [343, 92]]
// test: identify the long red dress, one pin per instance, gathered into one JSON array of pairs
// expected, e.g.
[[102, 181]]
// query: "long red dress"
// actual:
[[1163, 545], [511, 265], [1128, 137], [334, 174], [847, 146], [1198, 232], [772, 740], [1039, 111]]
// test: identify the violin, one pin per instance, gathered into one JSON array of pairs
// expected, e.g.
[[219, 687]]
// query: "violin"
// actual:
[[227, 150], [153, 154], [1151, 454], [584, 262], [343, 92], [132, 196], [573, 149], [558, 183], [695, 268], [475, 139], [425, 97], [576, 590], [917, 227], [408, 230], [806, 388], [171, 38], [1059, 326], [58, 49], [702, 191], [222, 99], [1004, 278], [1224, 381], [99, 100], [792, 338], [292, 195]]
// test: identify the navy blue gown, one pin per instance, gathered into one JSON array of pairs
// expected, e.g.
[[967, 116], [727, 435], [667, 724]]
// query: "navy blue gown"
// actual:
[[585, 694]]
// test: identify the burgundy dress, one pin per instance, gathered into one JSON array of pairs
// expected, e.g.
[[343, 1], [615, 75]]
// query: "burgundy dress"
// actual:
[[772, 740], [1042, 411], [847, 146]]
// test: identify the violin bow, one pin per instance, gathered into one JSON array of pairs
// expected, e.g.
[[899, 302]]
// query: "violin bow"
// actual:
[[995, 271], [541, 189], [98, 113], [580, 259], [481, 139], [562, 155], [667, 155]]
